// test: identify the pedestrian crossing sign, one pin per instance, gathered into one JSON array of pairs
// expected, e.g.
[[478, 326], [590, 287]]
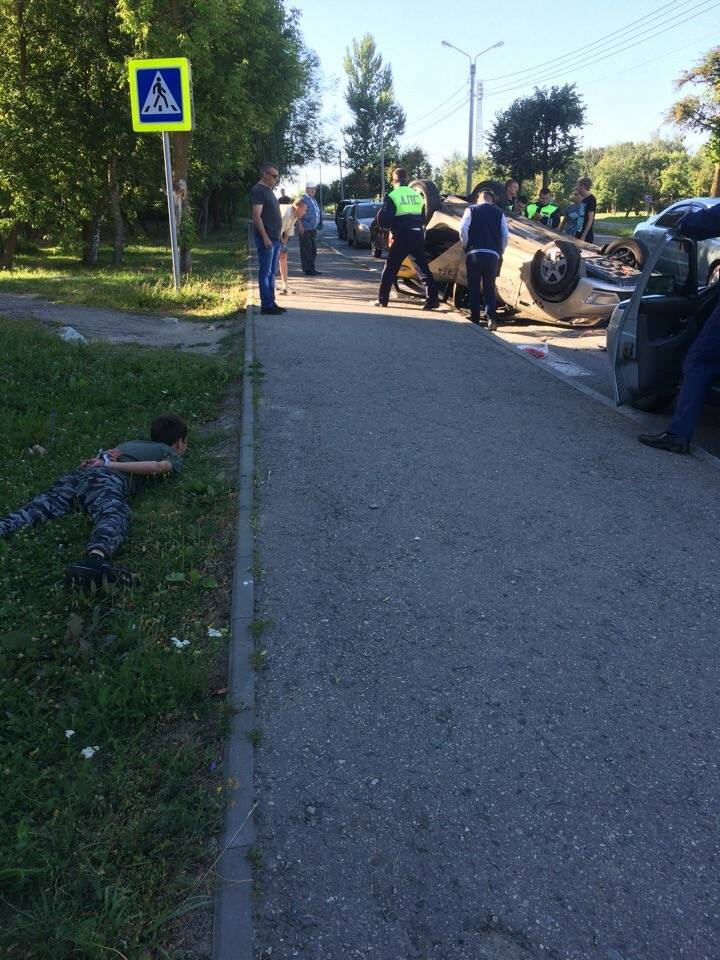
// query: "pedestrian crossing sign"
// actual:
[[161, 95]]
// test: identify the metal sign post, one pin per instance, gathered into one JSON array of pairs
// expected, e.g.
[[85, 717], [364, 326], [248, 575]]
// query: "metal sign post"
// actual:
[[171, 209], [161, 101]]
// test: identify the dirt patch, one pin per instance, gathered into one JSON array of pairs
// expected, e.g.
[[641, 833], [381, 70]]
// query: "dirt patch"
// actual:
[[116, 326]]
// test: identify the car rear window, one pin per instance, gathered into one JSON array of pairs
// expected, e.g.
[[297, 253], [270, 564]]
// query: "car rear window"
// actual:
[[366, 210]]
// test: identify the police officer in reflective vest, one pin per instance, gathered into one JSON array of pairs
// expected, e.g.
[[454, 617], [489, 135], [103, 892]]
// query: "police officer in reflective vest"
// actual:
[[403, 213], [545, 210]]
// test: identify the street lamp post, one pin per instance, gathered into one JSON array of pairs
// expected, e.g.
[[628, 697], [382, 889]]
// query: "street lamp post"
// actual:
[[472, 102]]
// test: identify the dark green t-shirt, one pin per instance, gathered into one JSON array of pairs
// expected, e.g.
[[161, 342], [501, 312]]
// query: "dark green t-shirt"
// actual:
[[135, 451]]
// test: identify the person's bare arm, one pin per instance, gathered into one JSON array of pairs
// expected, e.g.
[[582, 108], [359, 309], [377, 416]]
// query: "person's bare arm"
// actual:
[[259, 225], [588, 226], [141, 468]]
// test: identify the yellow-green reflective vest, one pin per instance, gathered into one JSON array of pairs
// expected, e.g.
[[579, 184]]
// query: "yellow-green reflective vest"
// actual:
[[547, 211], [407, 201]]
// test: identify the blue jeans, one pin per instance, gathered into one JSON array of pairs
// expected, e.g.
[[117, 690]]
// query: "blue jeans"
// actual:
[[482, 269], [700, 369], [267, 268]]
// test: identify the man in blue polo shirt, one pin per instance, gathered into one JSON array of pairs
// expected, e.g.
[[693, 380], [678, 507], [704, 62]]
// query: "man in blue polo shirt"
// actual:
[[484, 235], [307, 229]]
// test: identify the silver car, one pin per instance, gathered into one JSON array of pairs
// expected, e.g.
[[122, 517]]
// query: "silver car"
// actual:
[[650, 334], [708, 251], [359, 220], [544, 276]]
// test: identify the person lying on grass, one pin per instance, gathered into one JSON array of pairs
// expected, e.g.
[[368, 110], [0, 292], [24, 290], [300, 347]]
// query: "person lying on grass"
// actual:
[[101, 488]]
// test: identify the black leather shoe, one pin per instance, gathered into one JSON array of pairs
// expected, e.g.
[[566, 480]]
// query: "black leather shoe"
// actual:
[[475, 318], [431, 305], [279, 308], [665, 441], [271, 310], [316, 273]]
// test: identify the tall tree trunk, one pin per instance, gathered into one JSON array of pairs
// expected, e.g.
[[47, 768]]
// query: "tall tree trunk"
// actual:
[[116, 212], [215, 208], [715, 188], [91, 241], [205, 215], [9, 246], [180, 164]]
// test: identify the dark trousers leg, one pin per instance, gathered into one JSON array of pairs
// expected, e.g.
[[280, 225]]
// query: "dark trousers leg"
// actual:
[[103, 496], [58, 501], [700, 369], [474, 278], [489, 272], [396, 254], [416, 249], [308, 250]]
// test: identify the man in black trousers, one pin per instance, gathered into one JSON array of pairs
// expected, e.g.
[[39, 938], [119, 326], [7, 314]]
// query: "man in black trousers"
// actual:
[[403, 213]]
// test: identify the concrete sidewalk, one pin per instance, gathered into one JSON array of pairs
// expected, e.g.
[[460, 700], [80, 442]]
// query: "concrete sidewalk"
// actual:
[[490, 708]]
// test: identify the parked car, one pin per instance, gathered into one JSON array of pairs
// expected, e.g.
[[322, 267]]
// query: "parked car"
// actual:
[[649, 335], [379, 239], [708, 251], [339, 218], [359, 220], [544, 276]]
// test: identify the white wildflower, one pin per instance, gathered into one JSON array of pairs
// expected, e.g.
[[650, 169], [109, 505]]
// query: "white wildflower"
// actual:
[[69, 733], [213, 632], [89, 752], [179, 644]]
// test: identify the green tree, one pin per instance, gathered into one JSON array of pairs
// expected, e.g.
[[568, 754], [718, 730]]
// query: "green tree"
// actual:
[[701, 111], [536, 134], [376, 116], [416, 162], [451, 175]]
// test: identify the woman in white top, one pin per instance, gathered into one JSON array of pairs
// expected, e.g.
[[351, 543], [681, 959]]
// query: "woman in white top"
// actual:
[[291, 214]]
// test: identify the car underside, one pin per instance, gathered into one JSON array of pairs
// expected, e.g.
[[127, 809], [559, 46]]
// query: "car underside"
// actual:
[[543, 275]]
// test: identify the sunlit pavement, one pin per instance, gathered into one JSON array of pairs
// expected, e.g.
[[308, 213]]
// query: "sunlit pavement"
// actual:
[[489, 708]]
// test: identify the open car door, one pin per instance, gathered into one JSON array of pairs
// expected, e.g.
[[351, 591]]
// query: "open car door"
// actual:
[[650, 334]]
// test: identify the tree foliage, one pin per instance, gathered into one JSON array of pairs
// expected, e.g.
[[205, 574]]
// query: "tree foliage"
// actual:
[[68, 155], [701, 111], [451, 175], [376, 115], [538, 134]]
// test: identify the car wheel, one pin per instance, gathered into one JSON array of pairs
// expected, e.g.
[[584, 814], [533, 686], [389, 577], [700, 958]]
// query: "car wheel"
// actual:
[[496, 186], [430, 195], [628, 250], [350, 238], [555, 269], [653, 402], [713, 274], [460, 296]]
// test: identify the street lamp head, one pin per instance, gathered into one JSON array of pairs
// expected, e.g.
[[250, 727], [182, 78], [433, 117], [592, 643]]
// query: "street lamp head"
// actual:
[[444, 43]]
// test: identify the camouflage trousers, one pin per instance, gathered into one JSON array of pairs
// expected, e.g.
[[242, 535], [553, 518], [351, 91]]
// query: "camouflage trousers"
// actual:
[[96, 491]]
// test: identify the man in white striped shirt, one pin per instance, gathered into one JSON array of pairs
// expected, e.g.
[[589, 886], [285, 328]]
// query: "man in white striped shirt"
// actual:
[[484, 235]]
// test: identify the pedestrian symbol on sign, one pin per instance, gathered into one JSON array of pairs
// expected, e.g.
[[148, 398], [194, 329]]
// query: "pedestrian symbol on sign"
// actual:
[[159, 100]]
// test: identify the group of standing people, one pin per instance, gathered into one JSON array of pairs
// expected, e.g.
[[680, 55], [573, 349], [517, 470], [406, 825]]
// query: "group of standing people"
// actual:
[[576, 221], [272, 230]]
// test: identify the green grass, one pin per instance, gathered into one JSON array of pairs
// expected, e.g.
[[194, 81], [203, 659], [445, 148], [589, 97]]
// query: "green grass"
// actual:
[[617, 224], [108, 856], [143, 284]]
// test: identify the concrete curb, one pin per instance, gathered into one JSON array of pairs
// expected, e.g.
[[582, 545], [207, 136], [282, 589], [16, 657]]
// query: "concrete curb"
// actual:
[[232, 927]]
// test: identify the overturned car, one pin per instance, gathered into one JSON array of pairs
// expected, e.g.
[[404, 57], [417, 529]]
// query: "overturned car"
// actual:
[[543, 275]]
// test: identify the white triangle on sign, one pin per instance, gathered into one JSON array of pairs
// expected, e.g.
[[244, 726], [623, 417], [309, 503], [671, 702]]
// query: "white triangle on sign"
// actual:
[[159, 102]]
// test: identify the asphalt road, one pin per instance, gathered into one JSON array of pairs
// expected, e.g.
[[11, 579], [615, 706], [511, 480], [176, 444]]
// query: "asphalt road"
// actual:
[[490, 705]]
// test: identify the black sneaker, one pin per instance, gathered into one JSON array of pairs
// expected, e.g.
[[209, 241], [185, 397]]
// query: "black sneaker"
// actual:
[[665, 441], [474, 318], [271, 310], [492, 323], [98, 572], [279, 309]]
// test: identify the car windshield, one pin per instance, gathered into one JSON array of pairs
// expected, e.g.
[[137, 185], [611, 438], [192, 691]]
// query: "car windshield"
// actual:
[[366, 210]]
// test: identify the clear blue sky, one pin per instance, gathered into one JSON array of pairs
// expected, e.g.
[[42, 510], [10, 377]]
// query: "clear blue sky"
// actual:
[[626, 77]]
